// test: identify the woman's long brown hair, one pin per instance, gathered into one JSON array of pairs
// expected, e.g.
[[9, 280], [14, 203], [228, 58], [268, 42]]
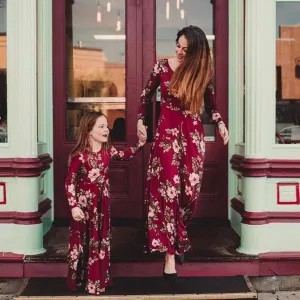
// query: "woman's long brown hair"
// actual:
[[83, 144], [191, 77]]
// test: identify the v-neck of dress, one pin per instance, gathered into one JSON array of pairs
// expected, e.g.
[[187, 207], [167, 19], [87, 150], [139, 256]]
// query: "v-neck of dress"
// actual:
[[169, 66]]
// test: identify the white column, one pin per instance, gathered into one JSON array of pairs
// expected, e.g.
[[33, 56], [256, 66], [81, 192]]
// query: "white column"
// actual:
[[236, 71], [236, 86], [45, 94], [22, 193], [22, 77], [260, 66], [259, 76]]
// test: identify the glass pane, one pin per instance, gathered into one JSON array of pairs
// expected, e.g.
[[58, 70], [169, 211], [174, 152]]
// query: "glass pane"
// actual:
[[3, 86], [96, 63], [288, 72], [171, 16]]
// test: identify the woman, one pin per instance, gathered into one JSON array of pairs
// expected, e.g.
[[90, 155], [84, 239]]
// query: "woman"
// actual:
[[176, 161]]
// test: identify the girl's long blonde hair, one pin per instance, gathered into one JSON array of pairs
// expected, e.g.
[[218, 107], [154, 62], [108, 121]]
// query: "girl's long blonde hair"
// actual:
[[83, 144], [191, 77]]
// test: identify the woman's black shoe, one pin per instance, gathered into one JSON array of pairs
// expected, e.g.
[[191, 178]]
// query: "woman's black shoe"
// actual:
[[179, 258], [169, 276]]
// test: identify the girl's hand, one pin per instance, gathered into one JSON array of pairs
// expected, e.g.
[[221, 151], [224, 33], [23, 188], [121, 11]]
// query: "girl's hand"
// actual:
[[77, 214], [142, 141], [223, 133]]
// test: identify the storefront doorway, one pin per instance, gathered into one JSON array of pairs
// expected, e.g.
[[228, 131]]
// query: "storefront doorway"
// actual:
[[103, 52]]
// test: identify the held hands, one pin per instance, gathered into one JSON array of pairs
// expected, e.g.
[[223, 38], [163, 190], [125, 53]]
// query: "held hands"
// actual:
[[141, 132], [77, 214], [223, 133], [142, 141]]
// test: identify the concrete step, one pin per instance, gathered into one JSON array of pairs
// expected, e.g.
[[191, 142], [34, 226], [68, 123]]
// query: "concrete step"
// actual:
[[128, 288]]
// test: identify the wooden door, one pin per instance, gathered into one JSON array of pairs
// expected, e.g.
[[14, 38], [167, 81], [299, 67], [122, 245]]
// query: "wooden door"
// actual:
[[95, 68], [158, 28]]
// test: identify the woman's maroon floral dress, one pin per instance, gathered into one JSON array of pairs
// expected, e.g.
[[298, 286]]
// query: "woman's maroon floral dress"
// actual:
[[176, 164], [87, 187]]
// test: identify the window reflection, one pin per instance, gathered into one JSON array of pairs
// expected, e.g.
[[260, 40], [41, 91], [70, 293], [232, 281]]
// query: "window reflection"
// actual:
[[96, 62], [288, 73], [3, 86], [171, 16]]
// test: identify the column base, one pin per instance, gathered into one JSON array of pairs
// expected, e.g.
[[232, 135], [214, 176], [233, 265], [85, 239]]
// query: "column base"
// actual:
[[22, 239], [272, 237]]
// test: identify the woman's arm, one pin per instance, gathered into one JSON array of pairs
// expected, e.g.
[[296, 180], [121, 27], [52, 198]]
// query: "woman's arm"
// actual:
[[212, 111], [210, 103], [148, 91]]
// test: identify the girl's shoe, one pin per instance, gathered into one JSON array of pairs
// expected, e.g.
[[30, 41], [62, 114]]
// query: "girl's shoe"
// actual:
[[169, 276], [179, 258]]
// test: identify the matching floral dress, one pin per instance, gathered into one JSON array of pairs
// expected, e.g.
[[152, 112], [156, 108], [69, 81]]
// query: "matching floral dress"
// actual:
[[87, 187], [176, 164]]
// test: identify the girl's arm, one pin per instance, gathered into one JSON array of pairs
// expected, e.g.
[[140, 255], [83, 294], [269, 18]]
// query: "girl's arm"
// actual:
[[71, 180], [127, 153], [149, 90], [210, 103]]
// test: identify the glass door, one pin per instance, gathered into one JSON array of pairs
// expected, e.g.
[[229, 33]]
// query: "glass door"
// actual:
[[212, 18], [171, 16], [94, 69]]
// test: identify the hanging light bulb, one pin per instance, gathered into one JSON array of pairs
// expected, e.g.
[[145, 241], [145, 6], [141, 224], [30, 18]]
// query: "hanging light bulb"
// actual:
[[178, 4], [118, 25], [168, 10], [182, 14], [118, 28], [108, 6], [99, 15], [182, 1]]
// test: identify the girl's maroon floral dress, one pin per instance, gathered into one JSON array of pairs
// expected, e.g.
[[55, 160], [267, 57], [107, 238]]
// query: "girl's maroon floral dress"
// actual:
[[87, 187], [176, 164]]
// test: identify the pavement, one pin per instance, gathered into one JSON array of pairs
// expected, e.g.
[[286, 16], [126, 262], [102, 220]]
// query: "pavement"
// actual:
[[9, 287]]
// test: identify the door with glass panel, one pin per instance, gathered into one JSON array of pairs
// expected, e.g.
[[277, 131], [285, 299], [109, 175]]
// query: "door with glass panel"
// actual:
[[95, 69], [212, 17]]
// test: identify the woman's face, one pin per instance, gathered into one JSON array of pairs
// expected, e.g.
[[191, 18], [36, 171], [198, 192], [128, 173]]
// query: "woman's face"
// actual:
[[181, 48], [100, 131]]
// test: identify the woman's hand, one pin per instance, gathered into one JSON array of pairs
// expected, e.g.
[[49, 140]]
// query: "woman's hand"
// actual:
[[141, 131], [77, 214], [223, 133]]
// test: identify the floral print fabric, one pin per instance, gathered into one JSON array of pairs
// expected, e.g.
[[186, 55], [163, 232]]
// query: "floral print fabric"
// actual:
[[87, 187], [176, 164]]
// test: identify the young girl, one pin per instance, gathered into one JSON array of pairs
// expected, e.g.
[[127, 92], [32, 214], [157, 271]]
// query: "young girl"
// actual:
[[87, 189]]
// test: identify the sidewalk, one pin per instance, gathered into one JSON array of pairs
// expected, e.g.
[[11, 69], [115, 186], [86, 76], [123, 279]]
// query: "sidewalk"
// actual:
[[9, 287], [280, 296]]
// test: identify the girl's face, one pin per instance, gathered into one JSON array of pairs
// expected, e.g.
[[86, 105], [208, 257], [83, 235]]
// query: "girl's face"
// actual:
[[100, 131], [181, 48]]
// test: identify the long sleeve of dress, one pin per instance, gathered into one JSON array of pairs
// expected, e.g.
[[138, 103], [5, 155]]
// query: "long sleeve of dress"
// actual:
[[210, 103], [125, 154], [71, 181], [149, 90]]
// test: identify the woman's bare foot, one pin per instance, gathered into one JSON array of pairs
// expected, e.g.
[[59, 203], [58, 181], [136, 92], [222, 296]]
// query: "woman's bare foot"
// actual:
[[170, 263], [102, 290]]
